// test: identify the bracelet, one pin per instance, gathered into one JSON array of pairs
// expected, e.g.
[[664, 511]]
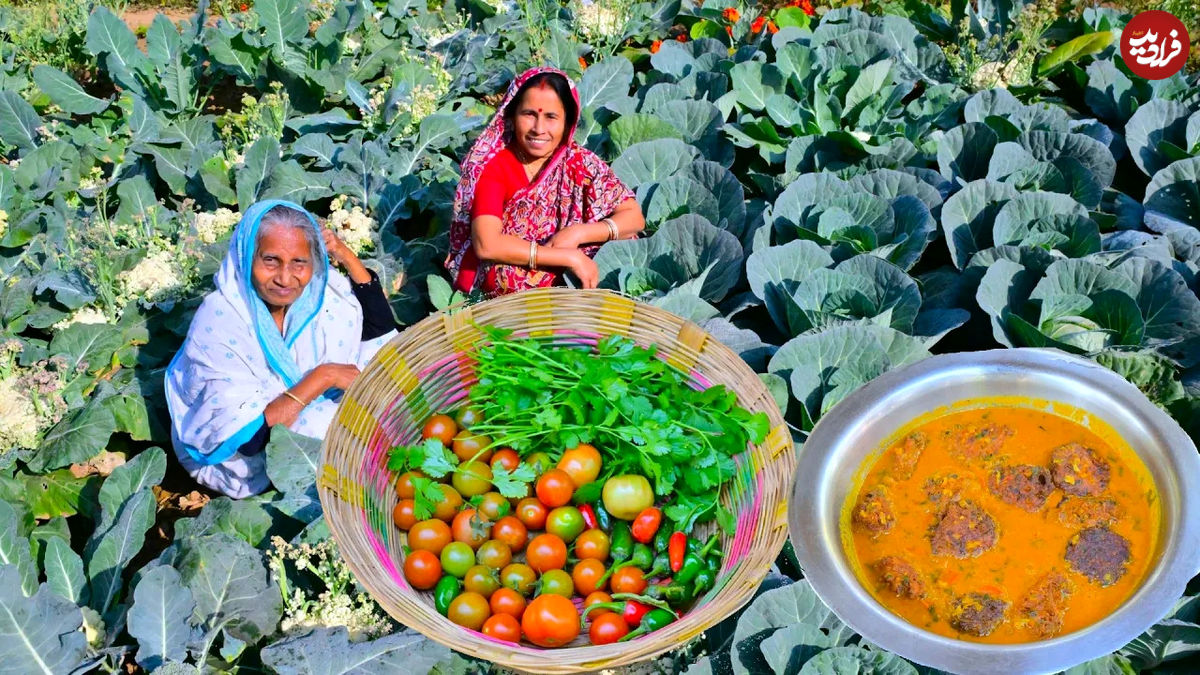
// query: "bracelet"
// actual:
[[613, 233], [294, 398], [533, 255]]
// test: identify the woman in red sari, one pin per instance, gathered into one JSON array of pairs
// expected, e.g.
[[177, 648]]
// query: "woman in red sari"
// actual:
[[532, 203]]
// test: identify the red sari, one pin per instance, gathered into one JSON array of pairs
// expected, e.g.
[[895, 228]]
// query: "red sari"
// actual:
[[574, 186]]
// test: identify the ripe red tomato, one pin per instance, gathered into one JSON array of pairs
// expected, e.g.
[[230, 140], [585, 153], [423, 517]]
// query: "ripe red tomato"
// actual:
[[440, 427], [546, 552], [503, 627], [607, 628], [513, 532], [550, 621], [507, 458], [581, 463], [404, 515], [555, 488], [532, 513], [471, 529], [422, 569], [429, 535], [627, 580]]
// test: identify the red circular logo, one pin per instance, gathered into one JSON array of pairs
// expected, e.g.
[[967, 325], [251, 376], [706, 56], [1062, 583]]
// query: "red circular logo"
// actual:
[[1155, 45]]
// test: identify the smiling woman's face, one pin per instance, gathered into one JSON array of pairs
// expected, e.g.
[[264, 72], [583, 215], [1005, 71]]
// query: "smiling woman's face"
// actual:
[[283, 266], [539, 122]]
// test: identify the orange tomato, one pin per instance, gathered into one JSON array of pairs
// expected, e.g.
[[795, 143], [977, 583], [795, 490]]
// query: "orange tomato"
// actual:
[[581, 463], [546, 552], [554, 488], [404, 515], [513, 532], [592, 544], [471, 529], [532, 513], [550, 621], [507, 458], [503, 627], [441, 427], [627, 580], [429, 535], [586, 576], [422, 569], [508, 601]]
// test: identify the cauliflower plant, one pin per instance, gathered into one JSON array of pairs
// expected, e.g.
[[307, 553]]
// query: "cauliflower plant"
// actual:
[[215, 226], [157, 277], [352, 226]]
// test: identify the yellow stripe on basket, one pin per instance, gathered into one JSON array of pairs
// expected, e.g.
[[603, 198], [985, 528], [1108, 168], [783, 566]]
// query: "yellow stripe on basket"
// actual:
[[344, 487], [356, 419], [618, 309], [689, 343], [459, 330], [397, 369], [781, 515], [539, 311], [777, 440]]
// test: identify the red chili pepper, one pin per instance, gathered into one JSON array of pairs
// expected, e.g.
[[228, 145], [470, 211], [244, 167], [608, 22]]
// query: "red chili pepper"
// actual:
[[634, 611], [589, 516], [645, 526], [676, 549]]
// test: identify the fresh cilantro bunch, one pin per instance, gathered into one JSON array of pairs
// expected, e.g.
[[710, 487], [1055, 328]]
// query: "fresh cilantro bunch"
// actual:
[[642, 414]]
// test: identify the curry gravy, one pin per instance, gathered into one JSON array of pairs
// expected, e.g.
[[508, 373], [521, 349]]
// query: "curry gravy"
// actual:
[[1002, 524]]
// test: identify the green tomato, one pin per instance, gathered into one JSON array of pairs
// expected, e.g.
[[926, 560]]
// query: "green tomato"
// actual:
[[457, 558], [627, 496], [540, 462], [467, 417], [566, 522], [472, 478], [558, 582]]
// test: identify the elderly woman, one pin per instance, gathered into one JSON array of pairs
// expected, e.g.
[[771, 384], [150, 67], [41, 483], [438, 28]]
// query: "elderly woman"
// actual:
[[277, 342], [531, 202]]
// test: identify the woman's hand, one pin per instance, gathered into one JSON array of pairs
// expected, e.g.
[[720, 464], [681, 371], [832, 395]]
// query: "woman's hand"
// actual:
[[337, 375], [585, 268], [344, 257]]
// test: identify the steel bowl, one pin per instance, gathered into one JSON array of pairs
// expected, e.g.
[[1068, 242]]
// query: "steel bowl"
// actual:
[[856, 427]]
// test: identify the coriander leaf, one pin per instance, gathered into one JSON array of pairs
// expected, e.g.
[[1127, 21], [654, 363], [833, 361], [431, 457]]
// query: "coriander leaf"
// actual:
[[426, 496], [513, 484], [726, 520], [437, 460], [588, 493]]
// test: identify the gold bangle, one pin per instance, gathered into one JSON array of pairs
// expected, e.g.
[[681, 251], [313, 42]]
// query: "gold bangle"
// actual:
[[294, 398], [613, 232], [533, 255]]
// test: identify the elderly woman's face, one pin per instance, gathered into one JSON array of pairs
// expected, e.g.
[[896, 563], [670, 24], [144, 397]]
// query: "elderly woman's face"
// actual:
[[283, 266], [540, 122]]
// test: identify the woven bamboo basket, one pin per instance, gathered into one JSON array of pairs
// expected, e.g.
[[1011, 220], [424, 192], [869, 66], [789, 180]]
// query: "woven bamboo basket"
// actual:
[[428, 368]]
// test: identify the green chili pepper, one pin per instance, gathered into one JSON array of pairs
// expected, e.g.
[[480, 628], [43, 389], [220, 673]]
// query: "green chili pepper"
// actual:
[[662, 565], [603, 518], [621, 546], [662, 539], [445, 592], [650, 623], [692, 564], [705, 579], [643, 556], [675, 594]]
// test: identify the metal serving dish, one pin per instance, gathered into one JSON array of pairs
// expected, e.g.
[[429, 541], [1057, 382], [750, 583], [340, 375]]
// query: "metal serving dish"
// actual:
[[855, 428]]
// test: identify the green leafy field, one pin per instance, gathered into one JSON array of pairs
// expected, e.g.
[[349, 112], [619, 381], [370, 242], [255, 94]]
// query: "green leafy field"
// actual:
[[831, 196]]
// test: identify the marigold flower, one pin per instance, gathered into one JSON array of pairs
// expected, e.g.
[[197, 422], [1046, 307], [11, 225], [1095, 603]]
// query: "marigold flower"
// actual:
[[243, 7], [772, 28], [655, 46], [807, 7], [582, 63], [731, 14], [758, 24]]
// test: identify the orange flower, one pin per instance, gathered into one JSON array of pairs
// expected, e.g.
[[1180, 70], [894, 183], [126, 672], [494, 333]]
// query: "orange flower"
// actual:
[[807, 7], [582, 63], [729, 30], [757, 25], [682, 37], [243, 7], [772, 28], [731, 14], [655, 46]]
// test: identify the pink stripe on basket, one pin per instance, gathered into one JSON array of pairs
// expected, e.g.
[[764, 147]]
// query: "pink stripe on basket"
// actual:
[[381, 553], [745, 529]]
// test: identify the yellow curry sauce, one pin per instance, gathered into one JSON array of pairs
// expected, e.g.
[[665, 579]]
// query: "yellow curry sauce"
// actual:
[[1002, 524]]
